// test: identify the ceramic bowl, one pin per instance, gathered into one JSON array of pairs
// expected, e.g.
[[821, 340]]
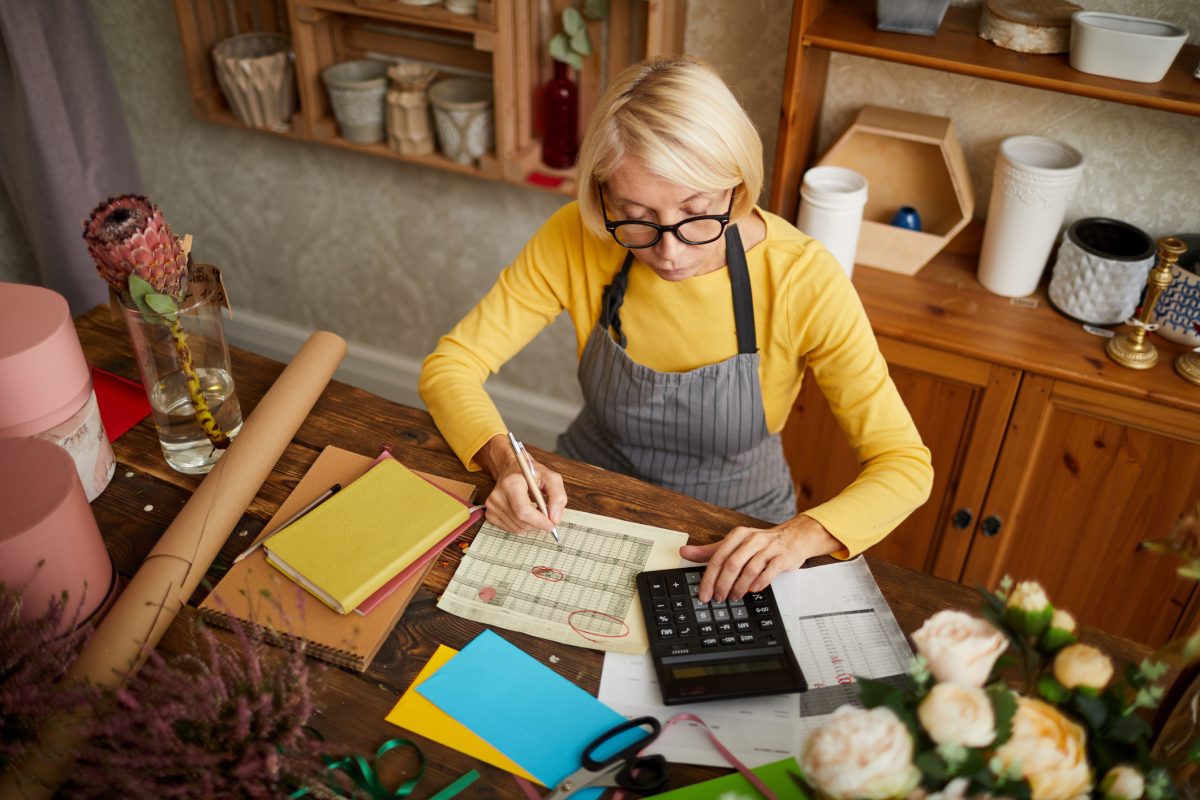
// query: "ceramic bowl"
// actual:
[[1177, 311], [1121, 46], [1100, 270]]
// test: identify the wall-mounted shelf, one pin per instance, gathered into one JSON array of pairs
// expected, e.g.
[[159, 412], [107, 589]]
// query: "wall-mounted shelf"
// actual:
[[502, 41]]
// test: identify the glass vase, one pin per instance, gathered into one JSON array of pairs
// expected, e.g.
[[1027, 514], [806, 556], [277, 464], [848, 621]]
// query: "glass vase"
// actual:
[[184, 362], [560, 107]]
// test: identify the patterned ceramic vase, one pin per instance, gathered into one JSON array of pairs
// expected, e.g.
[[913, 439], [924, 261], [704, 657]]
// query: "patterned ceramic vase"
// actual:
[[1101, 270], [462, 112], [1177, 311]]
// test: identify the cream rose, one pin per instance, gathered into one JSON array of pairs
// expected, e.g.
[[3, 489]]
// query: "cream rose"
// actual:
[[956, 714], [1049, 750], [1123, 783], [1081, 665], [1062, 621], [1028, 596], [959, 648], [861, 755]]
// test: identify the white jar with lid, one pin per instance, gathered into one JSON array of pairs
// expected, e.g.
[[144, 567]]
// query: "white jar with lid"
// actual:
[[831, 210]]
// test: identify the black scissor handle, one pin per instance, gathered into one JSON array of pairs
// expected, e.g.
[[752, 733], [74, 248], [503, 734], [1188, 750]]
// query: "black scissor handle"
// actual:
[[629, 753], [644, 775]]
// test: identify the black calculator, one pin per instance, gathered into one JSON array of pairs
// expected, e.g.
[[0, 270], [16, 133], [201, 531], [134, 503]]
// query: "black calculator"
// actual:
[[714, 651]]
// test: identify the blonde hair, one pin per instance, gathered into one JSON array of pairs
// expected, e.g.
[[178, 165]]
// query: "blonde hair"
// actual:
[[676, 115]]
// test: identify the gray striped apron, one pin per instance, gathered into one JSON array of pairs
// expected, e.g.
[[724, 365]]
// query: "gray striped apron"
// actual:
[[703, 432]]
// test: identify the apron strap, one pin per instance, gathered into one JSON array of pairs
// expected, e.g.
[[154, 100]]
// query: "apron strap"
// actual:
[[743, 296], [739, 281]]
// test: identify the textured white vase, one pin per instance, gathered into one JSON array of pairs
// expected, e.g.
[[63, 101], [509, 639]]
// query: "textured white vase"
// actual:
[[831, 210], [1034, 180], [462, 112], [1096, 285]]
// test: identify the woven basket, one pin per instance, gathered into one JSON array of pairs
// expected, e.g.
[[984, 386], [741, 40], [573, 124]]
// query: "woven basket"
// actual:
[[256, 76]]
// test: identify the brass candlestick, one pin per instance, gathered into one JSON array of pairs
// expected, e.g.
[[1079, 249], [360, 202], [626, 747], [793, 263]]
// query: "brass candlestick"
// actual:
[[1131, 349], [1188, 366]]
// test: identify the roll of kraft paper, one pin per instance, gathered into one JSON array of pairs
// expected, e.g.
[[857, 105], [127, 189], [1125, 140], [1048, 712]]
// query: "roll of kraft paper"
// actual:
[[173, 569]]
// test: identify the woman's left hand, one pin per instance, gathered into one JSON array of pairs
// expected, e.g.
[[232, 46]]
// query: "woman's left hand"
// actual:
[[748, 559]]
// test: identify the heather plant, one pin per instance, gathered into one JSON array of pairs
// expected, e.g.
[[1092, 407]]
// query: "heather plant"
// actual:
[[218, 721], [33, 658]]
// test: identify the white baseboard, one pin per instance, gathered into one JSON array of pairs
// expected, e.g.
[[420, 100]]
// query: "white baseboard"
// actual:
[[535, 418]]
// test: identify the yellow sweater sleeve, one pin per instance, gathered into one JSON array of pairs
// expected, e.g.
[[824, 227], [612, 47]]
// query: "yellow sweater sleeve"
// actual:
[[527, 297], [841, 350]]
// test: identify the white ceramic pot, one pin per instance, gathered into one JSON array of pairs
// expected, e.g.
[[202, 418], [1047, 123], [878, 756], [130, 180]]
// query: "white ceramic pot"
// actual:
[[462, 113], [1101, 270], [1034, 180], [831, 210], [356, 94], [1121, 46]]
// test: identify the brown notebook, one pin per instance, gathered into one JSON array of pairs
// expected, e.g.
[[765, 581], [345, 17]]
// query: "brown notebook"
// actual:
[[255, 592]]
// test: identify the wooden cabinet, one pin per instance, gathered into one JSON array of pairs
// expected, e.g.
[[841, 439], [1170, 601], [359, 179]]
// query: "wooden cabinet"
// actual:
[[503, 41], [1051, 461]]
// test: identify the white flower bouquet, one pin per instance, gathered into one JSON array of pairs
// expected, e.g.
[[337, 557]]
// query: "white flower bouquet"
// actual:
[[956, 730]]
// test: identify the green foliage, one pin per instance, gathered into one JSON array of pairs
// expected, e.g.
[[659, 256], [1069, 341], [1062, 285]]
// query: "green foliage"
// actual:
[[158, 308], [1004, 708], [573, 43]]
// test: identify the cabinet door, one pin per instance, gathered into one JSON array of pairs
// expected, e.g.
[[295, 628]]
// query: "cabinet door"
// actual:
[[960, 406], [1085, 476]]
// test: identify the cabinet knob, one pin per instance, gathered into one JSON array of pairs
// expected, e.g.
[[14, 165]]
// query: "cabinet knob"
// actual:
[[991, 525], [962, 519]]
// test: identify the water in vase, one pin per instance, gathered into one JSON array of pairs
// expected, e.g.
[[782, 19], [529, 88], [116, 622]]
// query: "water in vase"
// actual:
[[184, 444]]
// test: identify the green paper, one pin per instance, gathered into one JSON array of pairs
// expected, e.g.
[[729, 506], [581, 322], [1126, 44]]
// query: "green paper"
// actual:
[[779, 776]]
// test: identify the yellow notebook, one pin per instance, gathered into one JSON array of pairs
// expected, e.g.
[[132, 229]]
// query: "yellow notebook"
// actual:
[[357, 540]]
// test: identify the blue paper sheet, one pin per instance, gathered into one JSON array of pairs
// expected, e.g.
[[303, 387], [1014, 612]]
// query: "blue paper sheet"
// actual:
[[523, 708]]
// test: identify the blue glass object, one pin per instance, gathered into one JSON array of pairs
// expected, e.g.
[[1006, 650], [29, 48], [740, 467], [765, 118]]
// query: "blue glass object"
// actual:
[[907, 217]]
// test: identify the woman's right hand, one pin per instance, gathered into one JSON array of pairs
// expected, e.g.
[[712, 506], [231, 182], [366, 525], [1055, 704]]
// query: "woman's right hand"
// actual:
[[511, 505]]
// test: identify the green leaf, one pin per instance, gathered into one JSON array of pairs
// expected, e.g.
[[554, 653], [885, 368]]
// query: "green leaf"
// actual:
[[873, 693], [162, 304], [1091, 709], [582, 43], [932, 765], [1129, 729], [560, 48], [1049, 688], [575, 61], [1153, 670], [573, 22], [1004, 708], [139, 287], [595, 9]]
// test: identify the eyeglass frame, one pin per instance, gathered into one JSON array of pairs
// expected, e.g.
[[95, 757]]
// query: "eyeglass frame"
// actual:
[[612, 225]]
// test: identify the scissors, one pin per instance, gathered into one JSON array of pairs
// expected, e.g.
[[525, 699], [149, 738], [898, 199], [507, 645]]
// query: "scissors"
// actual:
[[624, 768]]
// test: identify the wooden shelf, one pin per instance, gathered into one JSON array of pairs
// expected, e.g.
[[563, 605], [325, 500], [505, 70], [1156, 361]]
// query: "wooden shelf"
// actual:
[[848, 26], [432, 16]]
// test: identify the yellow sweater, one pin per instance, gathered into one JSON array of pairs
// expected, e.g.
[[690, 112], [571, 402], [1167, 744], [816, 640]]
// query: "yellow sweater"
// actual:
[[806, 314]]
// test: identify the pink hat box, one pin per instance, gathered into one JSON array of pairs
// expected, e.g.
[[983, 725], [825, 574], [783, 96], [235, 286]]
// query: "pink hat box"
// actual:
[[49, 541], [45, 385]]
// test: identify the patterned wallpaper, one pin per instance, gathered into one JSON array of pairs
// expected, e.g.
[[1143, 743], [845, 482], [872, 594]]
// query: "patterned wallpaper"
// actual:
[[391, 255]]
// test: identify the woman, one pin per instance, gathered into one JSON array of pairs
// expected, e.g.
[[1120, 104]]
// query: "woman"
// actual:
[[683, 387]]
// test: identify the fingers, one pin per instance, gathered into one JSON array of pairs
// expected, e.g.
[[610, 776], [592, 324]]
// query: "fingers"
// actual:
[[554, 493], [747, 560], [718, 563], [698, 552], [511, 506]]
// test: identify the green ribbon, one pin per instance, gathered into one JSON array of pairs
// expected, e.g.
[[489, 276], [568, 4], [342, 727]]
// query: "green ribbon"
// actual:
[[362, 772]]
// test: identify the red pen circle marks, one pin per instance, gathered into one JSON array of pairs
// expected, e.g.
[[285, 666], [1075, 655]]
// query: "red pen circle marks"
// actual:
[[487, 594], [552, 574], [596, 636]]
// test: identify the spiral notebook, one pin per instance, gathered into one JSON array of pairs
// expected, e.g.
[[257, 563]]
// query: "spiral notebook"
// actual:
[[258, 594]]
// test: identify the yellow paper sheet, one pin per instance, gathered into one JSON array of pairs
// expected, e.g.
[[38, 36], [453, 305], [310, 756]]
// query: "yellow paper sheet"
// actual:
[[414, 713]]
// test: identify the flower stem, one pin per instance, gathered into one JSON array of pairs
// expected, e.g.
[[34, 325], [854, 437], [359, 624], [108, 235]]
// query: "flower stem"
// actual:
[[204, 417]]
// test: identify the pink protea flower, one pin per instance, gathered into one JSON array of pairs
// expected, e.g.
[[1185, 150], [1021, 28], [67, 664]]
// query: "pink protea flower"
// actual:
[[127, 235]]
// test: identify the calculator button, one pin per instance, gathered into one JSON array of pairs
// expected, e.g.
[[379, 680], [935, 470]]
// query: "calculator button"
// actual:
[[721, 614], [697, 605], [658, 587], [762, 611], [741, 601], [660, 605], [757, 597], [680, 650], [703, 616], [693, 589], [686, 630], [728, 640], [718, 603], [766, 623], [678, 604], [725, 627], [708, 629], [771, 641], [692, 577], [682, 616], [676, 587], [663, 619], [709, 641], [739, 613], [666, 633], [746, 638], [743, 625]]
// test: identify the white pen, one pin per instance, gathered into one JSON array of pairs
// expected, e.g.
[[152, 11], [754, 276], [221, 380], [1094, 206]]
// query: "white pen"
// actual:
[[321, 498], [531, 478]]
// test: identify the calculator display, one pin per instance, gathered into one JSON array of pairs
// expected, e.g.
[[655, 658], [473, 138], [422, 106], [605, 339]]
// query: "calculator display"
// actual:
[[727, 668]]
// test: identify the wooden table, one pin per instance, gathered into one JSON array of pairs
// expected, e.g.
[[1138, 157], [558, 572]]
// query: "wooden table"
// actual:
[[145, 495]]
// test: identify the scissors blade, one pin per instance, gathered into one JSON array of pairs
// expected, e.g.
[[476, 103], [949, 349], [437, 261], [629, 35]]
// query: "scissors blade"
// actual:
[[584, 778]]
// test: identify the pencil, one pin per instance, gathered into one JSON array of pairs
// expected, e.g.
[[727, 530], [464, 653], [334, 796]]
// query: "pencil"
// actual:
[[321, 498], [531, 478]]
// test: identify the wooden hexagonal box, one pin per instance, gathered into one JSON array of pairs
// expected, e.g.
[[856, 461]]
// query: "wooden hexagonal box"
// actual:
[[908, 159]]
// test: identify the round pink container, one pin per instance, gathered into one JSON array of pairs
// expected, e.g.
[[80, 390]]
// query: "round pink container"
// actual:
[[49, 542], [45, 384]]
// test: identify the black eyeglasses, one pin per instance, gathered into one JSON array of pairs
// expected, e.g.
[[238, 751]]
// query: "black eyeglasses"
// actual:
[[636, 234]]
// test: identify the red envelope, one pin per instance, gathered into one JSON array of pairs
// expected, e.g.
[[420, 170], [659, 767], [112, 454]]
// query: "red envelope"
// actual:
[[122, 402]]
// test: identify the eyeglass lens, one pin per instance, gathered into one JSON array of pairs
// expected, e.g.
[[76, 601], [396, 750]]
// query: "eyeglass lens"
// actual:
[[693, 231]]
